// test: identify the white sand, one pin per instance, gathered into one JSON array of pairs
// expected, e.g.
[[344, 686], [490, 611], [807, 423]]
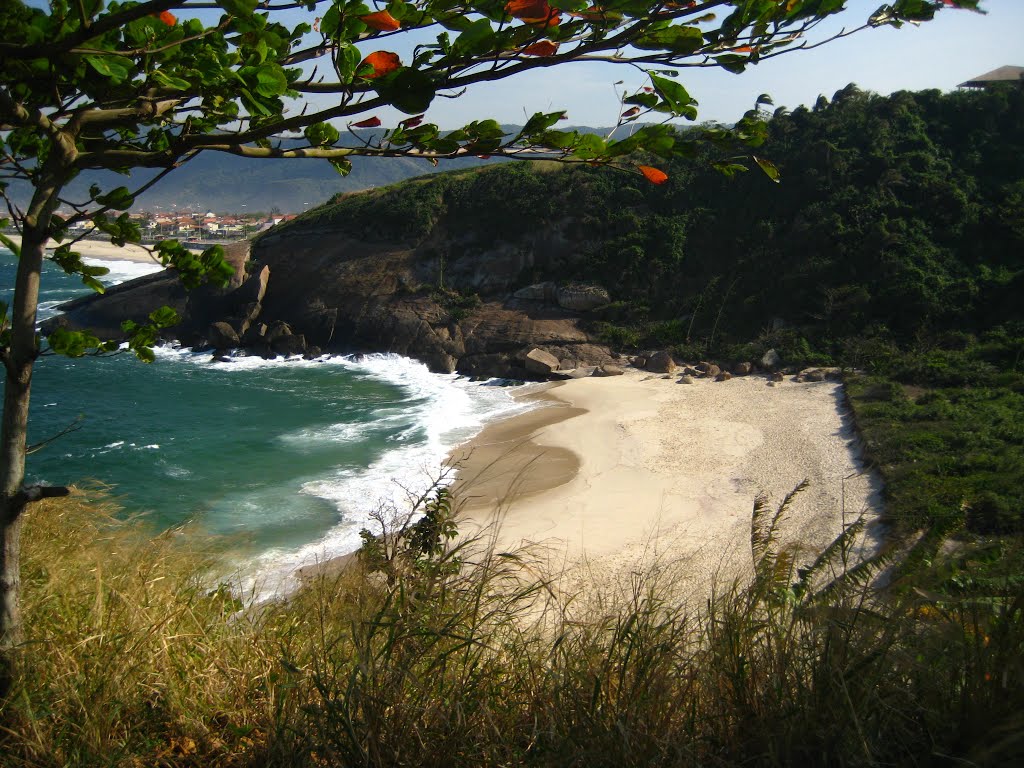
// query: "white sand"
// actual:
[[670, 472], [99, 249]]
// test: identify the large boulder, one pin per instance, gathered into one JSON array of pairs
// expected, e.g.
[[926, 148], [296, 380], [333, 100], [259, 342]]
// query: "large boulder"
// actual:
[[582, 298], [661, 362], [254, 288], [708, 370], [289, 344], [537, 292], [222, 335], [608, 370], [742, 369], [539, 361]]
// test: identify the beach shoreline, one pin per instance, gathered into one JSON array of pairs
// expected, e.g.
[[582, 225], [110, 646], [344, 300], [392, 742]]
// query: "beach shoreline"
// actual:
[[614, 475], [103, 250]]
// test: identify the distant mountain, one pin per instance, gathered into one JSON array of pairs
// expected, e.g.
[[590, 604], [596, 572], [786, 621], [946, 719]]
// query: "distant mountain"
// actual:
[[215, 181]]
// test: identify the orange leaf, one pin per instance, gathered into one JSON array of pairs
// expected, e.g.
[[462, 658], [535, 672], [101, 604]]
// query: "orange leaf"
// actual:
[[167, 18], [382, 21], [383, 63], [370, 122], [743, 49], [543, 48], [653, 175], [631, 112], [536, 12]]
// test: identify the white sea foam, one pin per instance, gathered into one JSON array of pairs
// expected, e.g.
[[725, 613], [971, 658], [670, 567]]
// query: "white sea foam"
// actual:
[[441, 411], [121, 270], [446, 410]]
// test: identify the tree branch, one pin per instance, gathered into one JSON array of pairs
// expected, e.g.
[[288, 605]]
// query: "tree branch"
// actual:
[[96, 29]]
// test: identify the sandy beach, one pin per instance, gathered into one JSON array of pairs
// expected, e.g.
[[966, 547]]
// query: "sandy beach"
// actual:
[[614, 475], [99, 249]]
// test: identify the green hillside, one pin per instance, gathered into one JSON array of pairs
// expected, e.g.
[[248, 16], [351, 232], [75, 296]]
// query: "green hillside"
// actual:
[[894, 244]]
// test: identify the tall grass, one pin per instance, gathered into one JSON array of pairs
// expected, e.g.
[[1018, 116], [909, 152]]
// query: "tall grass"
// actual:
[[457, 654]]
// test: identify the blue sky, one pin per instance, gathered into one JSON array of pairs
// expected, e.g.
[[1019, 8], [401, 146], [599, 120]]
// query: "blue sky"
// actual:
[[954, 47]]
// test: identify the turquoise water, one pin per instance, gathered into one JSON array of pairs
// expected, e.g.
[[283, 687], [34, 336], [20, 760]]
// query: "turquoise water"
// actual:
[[290, 457]]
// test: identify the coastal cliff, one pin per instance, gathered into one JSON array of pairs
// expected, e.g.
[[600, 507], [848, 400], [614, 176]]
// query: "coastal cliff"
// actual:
[[457, 297]]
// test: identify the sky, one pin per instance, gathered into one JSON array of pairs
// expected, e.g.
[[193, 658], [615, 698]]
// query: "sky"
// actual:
[[954, 47]]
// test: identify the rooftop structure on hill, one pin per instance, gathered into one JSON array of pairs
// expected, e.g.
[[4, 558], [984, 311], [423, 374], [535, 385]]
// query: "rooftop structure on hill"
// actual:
[[1007, 74]]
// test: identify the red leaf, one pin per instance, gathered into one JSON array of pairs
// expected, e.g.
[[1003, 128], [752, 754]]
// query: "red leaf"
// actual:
[[631, 112], [543, 48], [536, 12], [167, 18], [370, 122], [412, 122], [382, 21], [743, 49], [653, 175], [383, 63]]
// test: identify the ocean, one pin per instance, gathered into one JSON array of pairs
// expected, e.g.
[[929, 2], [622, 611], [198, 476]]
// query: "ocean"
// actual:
[[284, 461]]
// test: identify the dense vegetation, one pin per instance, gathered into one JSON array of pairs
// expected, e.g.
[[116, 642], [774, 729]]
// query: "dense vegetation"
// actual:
[[450, 654]]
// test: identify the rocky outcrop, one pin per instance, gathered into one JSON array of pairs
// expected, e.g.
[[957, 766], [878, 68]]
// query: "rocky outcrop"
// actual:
[[742, 369], [539, 361], [582, 298], [660, 362], [309, 287], [222, 335]]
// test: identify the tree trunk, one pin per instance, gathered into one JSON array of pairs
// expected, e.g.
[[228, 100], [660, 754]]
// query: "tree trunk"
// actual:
[[19, 360]]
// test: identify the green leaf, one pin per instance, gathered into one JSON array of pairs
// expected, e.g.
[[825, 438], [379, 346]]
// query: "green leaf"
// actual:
[[170, 81], [321, 134], [10, 244], [768, 167], [342, 165], [408, 90], [164, 317], [240, 8], [478, 38], [117, 68], [732, 62], [676, 38], [540, 121], [675, 96], [271, 80], [72, 343], [119, 199]]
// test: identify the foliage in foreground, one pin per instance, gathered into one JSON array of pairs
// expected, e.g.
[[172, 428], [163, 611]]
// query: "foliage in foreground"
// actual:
[[132, 661]]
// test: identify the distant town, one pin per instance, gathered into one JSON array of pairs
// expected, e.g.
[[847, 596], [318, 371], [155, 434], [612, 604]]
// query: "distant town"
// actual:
[[191, 226]]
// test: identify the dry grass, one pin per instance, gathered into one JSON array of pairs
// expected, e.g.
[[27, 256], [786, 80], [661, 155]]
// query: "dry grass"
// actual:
[[466, 656]]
